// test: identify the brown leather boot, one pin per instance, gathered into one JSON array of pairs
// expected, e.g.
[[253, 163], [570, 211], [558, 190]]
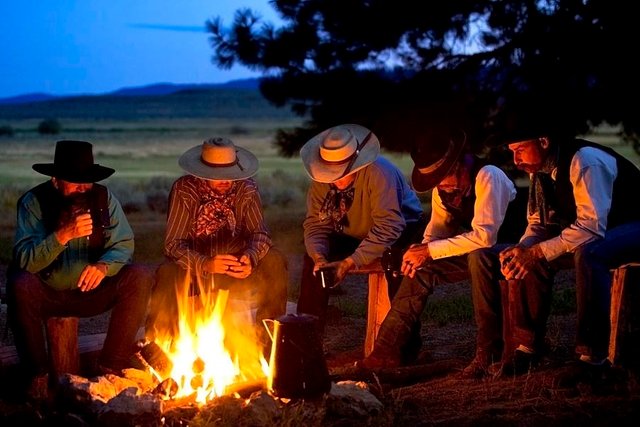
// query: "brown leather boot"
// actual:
[[380, 359]]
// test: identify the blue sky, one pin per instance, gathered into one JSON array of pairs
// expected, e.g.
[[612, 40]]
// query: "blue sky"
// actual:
[[65, 47]]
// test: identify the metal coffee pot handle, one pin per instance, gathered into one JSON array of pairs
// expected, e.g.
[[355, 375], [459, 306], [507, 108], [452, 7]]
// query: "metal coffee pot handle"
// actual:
[[269, 330]]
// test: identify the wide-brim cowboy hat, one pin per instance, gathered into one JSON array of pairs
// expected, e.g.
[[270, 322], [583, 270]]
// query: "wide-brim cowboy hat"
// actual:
[[433, 160], [528, 120], [73, 162], [219, 159], [515, 129], [339, 151]]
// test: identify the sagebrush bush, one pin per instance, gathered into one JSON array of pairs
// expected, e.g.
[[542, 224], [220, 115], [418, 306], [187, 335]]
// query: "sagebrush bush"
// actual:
[[6, 130], [282, 189], [146, 195], [49, 127]]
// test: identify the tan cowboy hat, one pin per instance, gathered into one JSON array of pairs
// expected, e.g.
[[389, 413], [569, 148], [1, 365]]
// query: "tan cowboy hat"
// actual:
[[219, 159], [339, 151], [434, 161], [73, 162]]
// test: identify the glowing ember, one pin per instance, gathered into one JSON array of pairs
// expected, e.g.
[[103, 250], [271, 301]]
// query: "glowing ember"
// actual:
[[216, 346]]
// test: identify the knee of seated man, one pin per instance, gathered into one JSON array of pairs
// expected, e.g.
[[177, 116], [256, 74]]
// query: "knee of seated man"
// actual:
[[421, 283]]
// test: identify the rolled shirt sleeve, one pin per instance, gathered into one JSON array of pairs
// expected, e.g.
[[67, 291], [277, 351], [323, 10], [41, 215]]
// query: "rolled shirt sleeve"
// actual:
[[494, 191], [592, 174]]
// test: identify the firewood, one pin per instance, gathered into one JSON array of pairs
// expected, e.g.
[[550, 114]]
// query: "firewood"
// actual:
[[400, 376]]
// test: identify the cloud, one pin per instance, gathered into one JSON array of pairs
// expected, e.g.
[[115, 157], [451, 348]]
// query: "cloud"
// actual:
[[178, 28]]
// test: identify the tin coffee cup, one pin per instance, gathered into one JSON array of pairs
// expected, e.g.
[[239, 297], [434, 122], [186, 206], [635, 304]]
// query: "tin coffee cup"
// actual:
[[327, 277]]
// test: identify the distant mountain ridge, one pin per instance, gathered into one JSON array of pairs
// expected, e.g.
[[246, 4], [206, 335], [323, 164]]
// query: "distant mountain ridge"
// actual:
[[232, 100], [156, 89]]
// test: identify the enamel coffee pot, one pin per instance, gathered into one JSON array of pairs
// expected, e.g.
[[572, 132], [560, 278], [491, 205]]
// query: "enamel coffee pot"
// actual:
[[297, 365]]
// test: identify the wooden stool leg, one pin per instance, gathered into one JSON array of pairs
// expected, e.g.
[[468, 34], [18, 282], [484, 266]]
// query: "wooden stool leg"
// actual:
[[377, 308], [624, 349], [62, 341], [508, 298]]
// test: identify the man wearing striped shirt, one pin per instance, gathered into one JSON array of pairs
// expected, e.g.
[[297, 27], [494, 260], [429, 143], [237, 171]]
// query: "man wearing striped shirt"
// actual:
[[217, 238]]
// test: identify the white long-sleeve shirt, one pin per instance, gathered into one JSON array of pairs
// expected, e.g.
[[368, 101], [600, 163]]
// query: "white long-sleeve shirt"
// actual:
[[494, 191], [591, 173]]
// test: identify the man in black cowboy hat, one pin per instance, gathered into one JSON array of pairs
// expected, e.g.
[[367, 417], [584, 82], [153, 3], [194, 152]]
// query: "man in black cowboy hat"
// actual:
[[358, 205], [216, 238], [469, 204], [581, 210], [72, 257]]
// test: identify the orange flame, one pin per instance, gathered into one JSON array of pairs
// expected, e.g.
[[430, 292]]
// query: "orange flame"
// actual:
[[216, 346]]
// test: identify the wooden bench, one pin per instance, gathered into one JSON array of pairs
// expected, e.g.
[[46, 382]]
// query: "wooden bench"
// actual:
[[378, 304]]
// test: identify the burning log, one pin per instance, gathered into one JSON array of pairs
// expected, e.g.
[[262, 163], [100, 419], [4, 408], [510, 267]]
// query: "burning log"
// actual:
[[246, 388], [153, 356], [167, 389]]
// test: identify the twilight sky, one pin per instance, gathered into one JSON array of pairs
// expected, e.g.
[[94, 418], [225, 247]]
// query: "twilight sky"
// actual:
[[65, 47]]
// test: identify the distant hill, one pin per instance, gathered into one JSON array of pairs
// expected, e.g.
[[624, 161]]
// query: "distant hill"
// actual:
[[169, 88], [240, 99], [149, 90], [29, 97]]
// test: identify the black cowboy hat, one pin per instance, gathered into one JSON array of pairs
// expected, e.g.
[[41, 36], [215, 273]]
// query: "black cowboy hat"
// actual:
[[435, 158], [73, 162], [528, 119]]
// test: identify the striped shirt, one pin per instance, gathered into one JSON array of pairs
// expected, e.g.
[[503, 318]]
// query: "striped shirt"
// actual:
[[251, 236]]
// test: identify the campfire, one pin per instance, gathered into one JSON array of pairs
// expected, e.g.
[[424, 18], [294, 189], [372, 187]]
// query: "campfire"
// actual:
[[214, 368], [215, 353]]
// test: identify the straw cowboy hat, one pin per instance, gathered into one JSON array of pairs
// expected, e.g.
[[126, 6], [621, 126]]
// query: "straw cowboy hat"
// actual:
[[339, 151], [434, 161], [73, 162], [219, 159]]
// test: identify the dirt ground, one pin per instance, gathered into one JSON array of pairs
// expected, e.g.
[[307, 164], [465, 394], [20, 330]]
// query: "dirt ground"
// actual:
[[431, 393]]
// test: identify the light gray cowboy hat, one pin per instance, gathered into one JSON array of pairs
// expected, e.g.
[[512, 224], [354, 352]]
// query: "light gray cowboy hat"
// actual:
[[219, 159], [339, 151]]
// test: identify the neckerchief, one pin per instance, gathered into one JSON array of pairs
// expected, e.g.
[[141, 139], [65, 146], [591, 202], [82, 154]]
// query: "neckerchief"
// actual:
[[335, 206], [215, 210], [458, 201], [454, 200], [542, 195]]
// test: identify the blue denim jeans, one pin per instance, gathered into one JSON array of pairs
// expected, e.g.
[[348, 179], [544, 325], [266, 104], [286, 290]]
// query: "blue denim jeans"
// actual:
[[594, 262], [529, 316], [31, 302], [482, 268], [399, 326]]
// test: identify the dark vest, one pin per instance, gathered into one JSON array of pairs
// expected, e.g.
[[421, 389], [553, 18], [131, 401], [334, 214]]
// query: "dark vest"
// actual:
[[624, 208], [56, 209]]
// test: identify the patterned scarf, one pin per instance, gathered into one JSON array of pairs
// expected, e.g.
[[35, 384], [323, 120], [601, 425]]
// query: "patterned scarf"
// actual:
[[542, 194], [215, 210], [335, 206]]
